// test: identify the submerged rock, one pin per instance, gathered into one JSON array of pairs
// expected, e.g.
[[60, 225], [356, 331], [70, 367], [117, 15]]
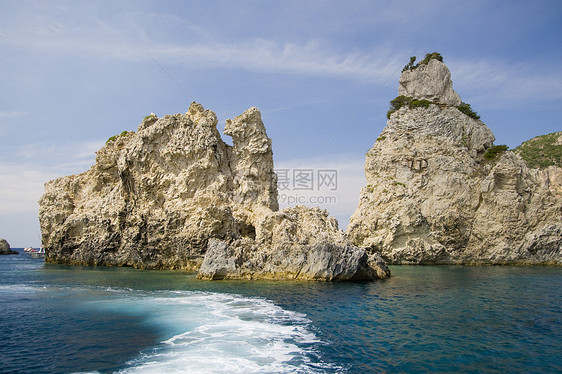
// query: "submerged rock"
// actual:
[[5, 248], [439, 191], [175, 195]]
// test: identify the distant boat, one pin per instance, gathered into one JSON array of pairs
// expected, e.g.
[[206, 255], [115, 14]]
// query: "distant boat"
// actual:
[[36, 252]]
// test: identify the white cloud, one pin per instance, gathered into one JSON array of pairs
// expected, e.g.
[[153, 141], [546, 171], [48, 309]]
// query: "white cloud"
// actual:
[[23, 184], [20, 190], [23, 180], [21, 187]]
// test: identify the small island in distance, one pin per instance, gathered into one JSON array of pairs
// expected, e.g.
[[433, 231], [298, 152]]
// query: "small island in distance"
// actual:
[[5, 248]]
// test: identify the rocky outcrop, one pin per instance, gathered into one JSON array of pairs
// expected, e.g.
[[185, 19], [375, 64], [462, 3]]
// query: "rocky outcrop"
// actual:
[[295, 243], [439, 192], [174, 195], [544, 154], [430, 81], [5, 248]]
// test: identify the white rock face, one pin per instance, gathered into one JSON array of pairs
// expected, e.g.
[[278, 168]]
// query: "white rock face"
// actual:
[[431, 196], [431, 81], [551, 178], [174, 192]]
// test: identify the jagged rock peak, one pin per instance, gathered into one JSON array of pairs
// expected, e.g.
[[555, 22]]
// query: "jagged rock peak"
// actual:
[[154, 198], [439, 192], [430, 80], [250, 144], [175, 195]]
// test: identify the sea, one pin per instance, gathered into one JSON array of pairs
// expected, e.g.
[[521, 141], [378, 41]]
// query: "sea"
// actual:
[[424, 319]]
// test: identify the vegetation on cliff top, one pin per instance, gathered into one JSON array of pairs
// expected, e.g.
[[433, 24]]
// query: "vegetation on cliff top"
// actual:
[[542, 151], [116, 136], [428, 57], [412, 103]]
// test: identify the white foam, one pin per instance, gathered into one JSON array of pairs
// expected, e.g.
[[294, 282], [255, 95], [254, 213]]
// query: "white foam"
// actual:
[[19, 288], [221, 333]]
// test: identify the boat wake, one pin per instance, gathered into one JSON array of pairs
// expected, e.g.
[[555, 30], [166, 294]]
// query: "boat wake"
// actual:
[[222, 333]]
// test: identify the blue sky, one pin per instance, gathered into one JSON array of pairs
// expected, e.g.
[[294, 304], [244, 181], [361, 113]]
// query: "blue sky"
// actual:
[[74, 73]]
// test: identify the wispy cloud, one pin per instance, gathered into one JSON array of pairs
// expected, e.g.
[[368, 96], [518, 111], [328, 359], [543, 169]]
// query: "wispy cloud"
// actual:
[[21, 187], [256, 55], [501, 83], [23, 180], [491, 81], [68, 159], [7, 114], [129, 41], [268, 56]]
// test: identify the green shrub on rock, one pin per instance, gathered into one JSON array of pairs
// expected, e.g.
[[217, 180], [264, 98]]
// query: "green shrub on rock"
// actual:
[[410, 65], [412, 103], [428, 57], [466, 109], [422, 103], [398, 103], [117, 136], [492, 152]]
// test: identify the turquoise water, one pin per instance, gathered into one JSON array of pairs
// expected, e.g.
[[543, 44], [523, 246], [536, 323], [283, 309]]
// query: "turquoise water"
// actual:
[[58, 319]]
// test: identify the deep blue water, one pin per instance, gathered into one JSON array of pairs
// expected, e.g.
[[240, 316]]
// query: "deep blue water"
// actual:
[[58, 319]]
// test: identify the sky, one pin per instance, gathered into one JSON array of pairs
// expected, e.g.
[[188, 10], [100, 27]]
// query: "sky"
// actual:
[[74, 73]]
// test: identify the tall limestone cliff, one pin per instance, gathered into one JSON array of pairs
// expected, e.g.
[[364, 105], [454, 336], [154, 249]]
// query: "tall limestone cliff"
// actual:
[[174, 195], [439, 191]]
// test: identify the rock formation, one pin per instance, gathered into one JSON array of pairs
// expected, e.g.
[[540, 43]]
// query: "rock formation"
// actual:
[[174, 195], [544, 154], [431, 81], [295, 243], [439, 191], [5, 248]]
